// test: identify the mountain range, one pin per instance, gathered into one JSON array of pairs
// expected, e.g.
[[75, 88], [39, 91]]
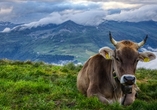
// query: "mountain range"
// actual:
[[68, 41]]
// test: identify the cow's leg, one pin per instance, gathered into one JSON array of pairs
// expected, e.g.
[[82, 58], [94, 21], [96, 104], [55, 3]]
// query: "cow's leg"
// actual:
[[81, 88], [82, 84], [94, 90]]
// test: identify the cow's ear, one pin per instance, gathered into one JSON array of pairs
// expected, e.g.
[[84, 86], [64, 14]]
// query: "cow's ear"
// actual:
[[106, 52], [147, 56]]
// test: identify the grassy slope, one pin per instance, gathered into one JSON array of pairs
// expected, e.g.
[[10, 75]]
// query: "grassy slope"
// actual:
[[28, 85]]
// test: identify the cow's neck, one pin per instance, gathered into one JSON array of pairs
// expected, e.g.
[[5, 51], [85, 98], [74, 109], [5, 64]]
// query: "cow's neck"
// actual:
[[117, 92], [114, 77], [115, 80]]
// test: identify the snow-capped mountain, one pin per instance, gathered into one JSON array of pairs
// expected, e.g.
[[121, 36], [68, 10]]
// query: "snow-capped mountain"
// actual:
[[68, 41]]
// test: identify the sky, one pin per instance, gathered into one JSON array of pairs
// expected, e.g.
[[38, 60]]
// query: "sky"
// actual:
[[86, 12]]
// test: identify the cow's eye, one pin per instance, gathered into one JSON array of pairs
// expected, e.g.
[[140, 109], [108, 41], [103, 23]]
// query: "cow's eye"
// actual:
[[136, 60], [117, 59]]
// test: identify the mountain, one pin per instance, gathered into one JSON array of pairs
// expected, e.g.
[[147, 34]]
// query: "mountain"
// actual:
[[69, 41], [4, 25]]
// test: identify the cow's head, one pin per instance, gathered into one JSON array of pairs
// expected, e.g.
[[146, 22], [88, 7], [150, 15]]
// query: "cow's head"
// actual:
[[125, 58]]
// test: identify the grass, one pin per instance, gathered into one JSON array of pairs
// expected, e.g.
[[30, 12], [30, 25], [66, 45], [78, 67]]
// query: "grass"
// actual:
[[39, 86]]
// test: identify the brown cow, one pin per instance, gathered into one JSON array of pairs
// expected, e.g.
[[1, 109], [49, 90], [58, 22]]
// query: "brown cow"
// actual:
[[110, 74]]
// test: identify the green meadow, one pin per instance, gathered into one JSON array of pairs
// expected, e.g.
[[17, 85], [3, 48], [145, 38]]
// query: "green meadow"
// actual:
[[38, 86]]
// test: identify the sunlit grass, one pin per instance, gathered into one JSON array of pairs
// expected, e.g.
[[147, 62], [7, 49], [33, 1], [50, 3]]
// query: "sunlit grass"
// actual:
[[36, 85]]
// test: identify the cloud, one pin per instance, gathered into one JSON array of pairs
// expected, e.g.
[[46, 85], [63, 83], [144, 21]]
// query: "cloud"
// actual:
[[118, 5], [6, 30], [93, 17], [27, 11], [144, 13], [33, 0], [125, 1], [87, 12], [24, 12], [5, 10]]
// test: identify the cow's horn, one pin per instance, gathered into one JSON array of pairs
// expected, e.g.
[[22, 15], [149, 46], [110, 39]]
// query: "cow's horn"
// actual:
[[114, 42], [140, 44]]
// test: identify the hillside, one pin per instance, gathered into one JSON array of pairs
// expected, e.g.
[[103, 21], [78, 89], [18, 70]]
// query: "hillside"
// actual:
[[35, 85], [69, 41]]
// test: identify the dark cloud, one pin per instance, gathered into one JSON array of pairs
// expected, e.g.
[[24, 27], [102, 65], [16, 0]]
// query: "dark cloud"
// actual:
[[83, 12], [35, 10]]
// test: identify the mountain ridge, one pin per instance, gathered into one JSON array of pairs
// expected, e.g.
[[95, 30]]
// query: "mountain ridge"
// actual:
[[70, 41]]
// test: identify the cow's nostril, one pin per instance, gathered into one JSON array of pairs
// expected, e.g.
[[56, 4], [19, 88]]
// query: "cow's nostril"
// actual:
[[129, 80]]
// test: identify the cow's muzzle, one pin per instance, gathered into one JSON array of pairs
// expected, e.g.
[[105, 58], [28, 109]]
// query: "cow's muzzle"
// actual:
[[128, 80]]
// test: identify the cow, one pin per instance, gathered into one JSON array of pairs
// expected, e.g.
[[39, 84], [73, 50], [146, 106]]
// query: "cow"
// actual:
[[110, 74]]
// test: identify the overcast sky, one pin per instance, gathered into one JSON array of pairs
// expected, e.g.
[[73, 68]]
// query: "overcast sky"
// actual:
[[87, 12]]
